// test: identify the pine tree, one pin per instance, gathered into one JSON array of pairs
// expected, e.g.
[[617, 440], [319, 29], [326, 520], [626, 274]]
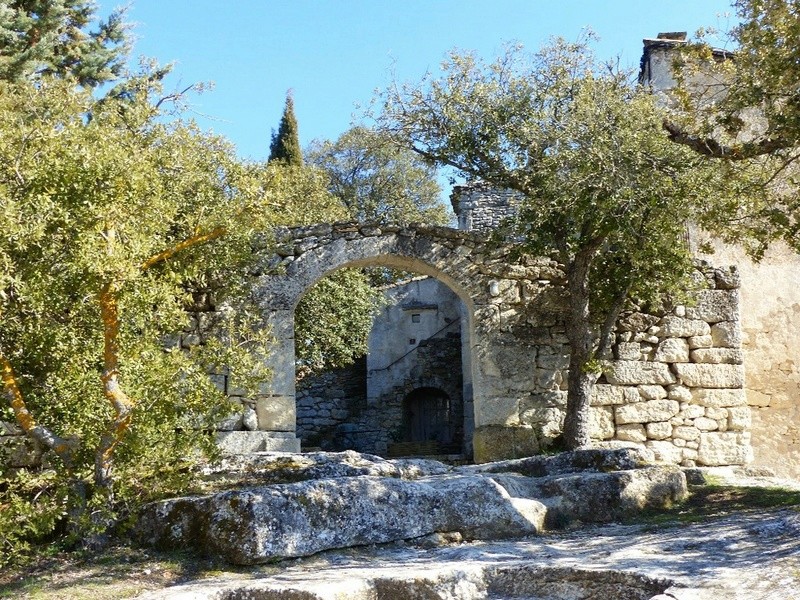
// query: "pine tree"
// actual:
[[285, 146], [52, 37]]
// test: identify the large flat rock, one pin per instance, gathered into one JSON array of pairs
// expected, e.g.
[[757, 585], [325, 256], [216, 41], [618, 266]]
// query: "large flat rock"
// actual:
[[257, 524]]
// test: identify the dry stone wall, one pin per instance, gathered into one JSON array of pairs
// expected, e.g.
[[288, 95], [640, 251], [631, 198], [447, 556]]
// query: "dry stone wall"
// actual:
[[674, 382]]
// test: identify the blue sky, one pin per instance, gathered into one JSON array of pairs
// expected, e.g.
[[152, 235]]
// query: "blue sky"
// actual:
[[334, 53]]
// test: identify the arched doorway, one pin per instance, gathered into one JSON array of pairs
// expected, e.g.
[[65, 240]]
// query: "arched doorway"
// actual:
[[432, 420]]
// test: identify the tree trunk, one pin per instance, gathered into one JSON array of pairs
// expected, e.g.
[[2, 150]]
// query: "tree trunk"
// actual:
[[577, 423], [120, 402]]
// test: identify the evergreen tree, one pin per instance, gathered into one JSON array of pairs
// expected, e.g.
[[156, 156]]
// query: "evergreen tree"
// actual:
[[50, 37], [285, 146]]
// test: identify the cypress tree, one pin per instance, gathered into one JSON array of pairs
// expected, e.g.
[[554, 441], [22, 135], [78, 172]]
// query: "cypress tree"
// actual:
[[285, 146]]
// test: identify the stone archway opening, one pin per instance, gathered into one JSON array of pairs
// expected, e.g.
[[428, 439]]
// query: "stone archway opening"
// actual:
[[419, 341]]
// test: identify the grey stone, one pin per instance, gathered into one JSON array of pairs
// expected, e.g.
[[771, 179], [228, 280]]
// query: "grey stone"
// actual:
[[719, 397], [727, 334], [647, 412], [731, 356], [724, 448], [638, 373], [710, 375], [677, 327], [672, 350], [715, 305]]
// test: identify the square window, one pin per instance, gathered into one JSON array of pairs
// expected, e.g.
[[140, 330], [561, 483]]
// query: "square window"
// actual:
[[412, 340], [415, 318]]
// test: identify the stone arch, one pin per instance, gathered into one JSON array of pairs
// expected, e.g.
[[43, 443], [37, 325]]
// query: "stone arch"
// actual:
[[495, 288]]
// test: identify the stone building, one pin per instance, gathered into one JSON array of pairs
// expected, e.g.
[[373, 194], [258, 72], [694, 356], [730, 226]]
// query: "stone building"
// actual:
[[770, 296]]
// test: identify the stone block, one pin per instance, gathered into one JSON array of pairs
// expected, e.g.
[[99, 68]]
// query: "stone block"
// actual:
[[248, 442], [727, 334], [730, 356], [719, 397], [713, 306], [710, 375], [716, 413], [692, 411], [647, 412], [705, 424], [638, 373], [602, 422], [665, 451], [276, 413], [678, 327], [701, 341], [604, 394], [500, 442], [672, 350], [724, 448], [632, 432], [659, 431], [739, 418], [680, 393], [629, 351], [686, 433], [499, 410], [652, 392]]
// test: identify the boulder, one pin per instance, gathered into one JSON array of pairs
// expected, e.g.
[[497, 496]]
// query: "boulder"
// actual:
[[260, 524]]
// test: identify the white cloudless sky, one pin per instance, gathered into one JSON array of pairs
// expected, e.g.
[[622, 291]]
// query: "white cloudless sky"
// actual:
[[333, 54]]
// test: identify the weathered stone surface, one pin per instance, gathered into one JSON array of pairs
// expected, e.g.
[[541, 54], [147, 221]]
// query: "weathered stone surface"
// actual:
[[247, 442], [705, 424], [270, 468], [647, 412], [659, 431], [497, 442], [629, 351], [257, 524], [665, 451], [719, 397], [638, 373], [652, 392], [727, 334], [713, 306], [672, 350], [723, 448], [710, 376], [604, 394], [701, 341], [602, 497], [260, 524], [739, 418], [602, 422], [632, 432], [731, 356], [677, 327], [686, 432]]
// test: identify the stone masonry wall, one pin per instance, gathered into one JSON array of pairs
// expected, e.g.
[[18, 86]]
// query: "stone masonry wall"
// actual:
[[674, 382], [481, 207], [333, 412]]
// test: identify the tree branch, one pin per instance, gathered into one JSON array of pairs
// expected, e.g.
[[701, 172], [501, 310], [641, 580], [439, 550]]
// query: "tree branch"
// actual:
[[62, 447], [708, 146], [187, 243]]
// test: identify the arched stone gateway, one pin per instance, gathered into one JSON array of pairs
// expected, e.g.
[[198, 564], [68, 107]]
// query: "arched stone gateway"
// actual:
[[498, 370], [673, 381]]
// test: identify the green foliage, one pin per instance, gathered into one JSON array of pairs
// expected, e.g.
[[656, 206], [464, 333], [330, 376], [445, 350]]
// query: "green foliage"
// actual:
[[108, 200], [50, 37], [378, 181], [333, 320], [285, 145], [752, 126], [601, 186]]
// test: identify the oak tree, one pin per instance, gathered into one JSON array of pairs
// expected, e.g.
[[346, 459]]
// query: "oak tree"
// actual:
[[601, 186]]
